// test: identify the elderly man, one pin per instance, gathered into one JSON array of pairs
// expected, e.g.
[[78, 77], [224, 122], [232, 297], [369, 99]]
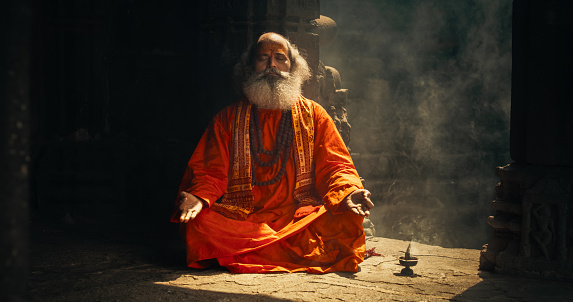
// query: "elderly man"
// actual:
[[271, 186]]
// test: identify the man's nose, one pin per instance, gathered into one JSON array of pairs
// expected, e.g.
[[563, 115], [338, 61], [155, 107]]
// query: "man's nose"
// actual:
[[272, 62]]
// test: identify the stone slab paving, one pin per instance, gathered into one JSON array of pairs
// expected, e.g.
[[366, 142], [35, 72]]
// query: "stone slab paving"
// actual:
[[442, 274], [76, 267]]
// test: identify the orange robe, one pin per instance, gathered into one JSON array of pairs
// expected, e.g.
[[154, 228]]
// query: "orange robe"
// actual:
[[270, 239]]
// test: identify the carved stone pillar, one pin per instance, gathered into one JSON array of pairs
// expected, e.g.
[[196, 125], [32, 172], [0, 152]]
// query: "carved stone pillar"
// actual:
[[533, 220], [333, 97], [331, 94]]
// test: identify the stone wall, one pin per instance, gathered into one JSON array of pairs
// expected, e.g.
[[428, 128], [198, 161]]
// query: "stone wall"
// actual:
[[429, 103]]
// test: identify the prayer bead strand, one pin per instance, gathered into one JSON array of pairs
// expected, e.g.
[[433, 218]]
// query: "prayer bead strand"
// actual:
[[255, 146], [283, 143], [281, 140]]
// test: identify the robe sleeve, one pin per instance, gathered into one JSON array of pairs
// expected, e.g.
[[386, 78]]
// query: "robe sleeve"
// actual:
[[336, 176], [206, 172]]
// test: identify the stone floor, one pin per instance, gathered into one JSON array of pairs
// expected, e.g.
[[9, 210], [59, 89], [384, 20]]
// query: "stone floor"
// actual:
[[78, 263]]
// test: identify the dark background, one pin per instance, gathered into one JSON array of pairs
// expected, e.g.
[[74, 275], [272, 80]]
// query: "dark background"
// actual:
[[121, 94]]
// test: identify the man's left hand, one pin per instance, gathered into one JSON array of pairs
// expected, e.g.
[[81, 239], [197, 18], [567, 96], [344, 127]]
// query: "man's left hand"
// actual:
[[359, 202]]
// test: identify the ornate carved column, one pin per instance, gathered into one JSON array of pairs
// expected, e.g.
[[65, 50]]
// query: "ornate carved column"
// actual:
[[533, 220], [331, 94]]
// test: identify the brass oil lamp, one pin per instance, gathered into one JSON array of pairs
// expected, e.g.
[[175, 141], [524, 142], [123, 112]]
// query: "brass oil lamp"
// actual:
[[407, 261]]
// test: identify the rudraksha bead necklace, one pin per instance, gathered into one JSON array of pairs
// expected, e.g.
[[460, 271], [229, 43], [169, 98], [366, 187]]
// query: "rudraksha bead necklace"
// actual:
[[283, 143]]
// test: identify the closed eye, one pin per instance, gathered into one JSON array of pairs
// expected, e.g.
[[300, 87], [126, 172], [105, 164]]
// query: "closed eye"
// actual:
[[262, 58], [281, 57]]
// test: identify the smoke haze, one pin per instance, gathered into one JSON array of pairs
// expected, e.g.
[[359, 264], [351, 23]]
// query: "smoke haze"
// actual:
[[429, 86]]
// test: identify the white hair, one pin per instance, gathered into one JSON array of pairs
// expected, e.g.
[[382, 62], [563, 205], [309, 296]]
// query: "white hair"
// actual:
[[268, 92]]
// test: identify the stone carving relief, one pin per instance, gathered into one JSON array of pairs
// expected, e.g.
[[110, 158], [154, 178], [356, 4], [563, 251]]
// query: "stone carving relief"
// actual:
[[542, 231], [331, 94], [333, 98], [532, 233], [544, 220]]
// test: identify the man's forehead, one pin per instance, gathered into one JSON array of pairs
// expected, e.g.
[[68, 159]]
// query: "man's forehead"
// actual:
[[272, 42], [265, 47]]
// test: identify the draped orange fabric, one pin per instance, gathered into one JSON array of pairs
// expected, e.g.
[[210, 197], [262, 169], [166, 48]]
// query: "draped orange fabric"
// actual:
[[270, 239]]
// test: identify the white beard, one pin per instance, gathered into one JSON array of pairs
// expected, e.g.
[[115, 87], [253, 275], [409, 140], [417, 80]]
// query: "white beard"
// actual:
[[272, 92]]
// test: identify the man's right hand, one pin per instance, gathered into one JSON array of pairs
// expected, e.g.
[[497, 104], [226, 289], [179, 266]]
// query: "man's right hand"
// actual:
[[190, 206]]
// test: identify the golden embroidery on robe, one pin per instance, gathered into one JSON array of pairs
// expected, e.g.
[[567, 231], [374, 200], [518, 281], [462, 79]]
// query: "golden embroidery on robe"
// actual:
[[238, 200]]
